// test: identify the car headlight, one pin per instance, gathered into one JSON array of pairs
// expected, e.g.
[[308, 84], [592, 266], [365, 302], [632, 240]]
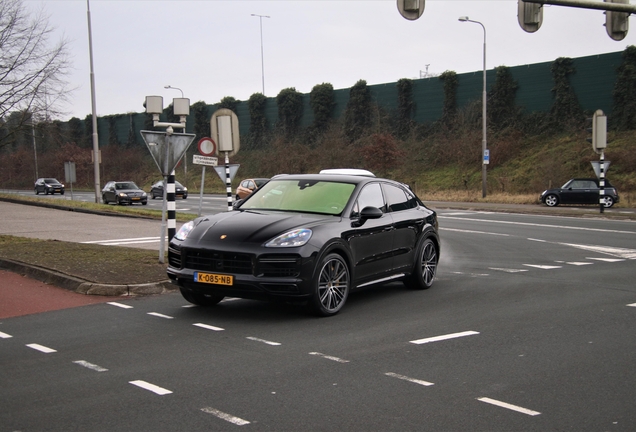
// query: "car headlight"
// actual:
[[184, 230], [294, 238], [121, 194], [143, 194]]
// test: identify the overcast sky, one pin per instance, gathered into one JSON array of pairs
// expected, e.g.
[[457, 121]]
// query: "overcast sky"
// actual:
[[212, 48]]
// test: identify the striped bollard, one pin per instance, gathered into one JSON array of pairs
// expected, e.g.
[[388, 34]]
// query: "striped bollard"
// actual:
[[228, 182], [172, 209]]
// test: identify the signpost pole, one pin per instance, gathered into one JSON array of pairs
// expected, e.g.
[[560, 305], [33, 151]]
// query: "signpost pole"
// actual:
[[201, 192], [228, 181]]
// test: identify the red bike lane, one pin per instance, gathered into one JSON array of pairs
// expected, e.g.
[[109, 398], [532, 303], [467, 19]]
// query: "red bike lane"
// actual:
[[21, 295]]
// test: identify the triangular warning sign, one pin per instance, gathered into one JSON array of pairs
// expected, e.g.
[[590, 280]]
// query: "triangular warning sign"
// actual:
[[220, 170], [167, 150]]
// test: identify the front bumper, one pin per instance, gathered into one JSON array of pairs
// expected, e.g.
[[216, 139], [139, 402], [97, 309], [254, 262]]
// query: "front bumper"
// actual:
[[262, 276]]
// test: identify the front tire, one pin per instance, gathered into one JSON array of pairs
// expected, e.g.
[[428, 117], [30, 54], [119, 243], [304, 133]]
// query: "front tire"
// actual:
[[425, 266], [201, 299], [609, 201], [551, 200], [332, 284], [104, 199]]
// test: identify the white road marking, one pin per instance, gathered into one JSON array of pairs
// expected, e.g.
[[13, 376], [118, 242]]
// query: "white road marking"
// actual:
[[579, 263], [508, 270], [543, 267], [444, 337], [560, 227], [328, 357], [615, 251], [509, 406], [150, 387], [41, 348], [5, 336], [157, 314], [263, 340], [90, 366], [223, 416], [121, 305], [129, 240], [632, 305], [209, 327], [606, 259], [474, 232], [405, 378]]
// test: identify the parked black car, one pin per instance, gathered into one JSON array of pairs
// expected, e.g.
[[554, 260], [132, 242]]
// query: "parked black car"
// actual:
[[579, 191], [309, 238], [156, 190], [48, 186], [125, 192]]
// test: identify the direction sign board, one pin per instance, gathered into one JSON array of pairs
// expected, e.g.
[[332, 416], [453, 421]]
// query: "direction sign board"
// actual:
[[204, 160], [167, 150]]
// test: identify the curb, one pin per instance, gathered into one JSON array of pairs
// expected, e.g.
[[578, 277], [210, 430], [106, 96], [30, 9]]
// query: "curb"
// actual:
[[82, 286]]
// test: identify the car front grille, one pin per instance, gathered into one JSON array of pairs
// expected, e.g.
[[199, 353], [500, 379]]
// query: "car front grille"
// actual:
[[215, 261]]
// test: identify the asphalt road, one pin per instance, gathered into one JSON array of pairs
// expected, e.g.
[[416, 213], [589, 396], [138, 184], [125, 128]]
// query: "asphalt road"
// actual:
[[529, 326]]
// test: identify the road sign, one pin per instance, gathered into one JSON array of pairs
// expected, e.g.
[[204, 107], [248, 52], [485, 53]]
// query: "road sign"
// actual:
[[207, 146], [69, 172], [224, 126], [597, 168], [220, 170], [167, 150], [486, 157], [204, 160]]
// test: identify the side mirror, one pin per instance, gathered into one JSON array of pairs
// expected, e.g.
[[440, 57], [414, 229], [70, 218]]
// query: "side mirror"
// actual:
[[368, 212]]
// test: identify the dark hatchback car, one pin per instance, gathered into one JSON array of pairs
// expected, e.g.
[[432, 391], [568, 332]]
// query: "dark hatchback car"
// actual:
[[125, 192], [579, 191], [48, 186], [308, 238], [156, 190]]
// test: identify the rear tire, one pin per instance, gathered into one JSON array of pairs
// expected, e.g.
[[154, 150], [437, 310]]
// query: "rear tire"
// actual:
[[609, 201], [424, 267], [201, 299]]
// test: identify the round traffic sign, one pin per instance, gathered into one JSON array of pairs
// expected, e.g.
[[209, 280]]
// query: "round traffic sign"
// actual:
[[207, 146]]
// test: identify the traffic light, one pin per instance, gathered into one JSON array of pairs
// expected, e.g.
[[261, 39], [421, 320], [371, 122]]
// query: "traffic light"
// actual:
[[530, 15], [617, 23], [411, 9], [598, 131]]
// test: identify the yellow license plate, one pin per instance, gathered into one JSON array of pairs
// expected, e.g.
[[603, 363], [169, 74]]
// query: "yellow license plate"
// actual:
[[211, 278], [136, 198]]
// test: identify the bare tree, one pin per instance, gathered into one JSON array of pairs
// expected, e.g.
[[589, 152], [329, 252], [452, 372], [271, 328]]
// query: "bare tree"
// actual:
[[32, 71]]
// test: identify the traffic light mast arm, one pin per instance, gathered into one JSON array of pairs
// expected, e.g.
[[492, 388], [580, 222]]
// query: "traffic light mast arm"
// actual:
[[615, 7]]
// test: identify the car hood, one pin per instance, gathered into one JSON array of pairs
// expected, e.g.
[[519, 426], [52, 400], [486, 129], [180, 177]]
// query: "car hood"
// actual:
[[251, 226], [129, 191]]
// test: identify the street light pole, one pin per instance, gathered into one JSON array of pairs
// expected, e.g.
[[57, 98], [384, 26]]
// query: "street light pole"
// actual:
[[96, 160], [484, 119], [260, 19]]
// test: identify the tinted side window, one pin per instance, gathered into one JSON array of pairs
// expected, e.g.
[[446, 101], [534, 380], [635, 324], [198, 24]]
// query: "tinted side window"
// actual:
[[397, 199], [370, 195]]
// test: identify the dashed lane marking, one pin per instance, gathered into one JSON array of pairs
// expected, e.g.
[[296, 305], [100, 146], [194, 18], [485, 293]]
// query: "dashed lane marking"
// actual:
[[328, 357], [224, 416], [632, 305], [150, 387], [444, 337], [543, 267], [611, 260], [209, 327], [157, 314], [507, 270], [41, 348], [90, 366], [405, 378], [5, 336], [263, 341], [121, 305], [509, 406]]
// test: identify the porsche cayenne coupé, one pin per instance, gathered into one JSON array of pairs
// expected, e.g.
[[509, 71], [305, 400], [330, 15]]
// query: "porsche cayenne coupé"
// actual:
[[309, 238]]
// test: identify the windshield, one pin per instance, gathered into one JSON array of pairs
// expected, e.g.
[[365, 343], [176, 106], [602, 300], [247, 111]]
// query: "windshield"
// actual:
[[127, 185], [307, 196]]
